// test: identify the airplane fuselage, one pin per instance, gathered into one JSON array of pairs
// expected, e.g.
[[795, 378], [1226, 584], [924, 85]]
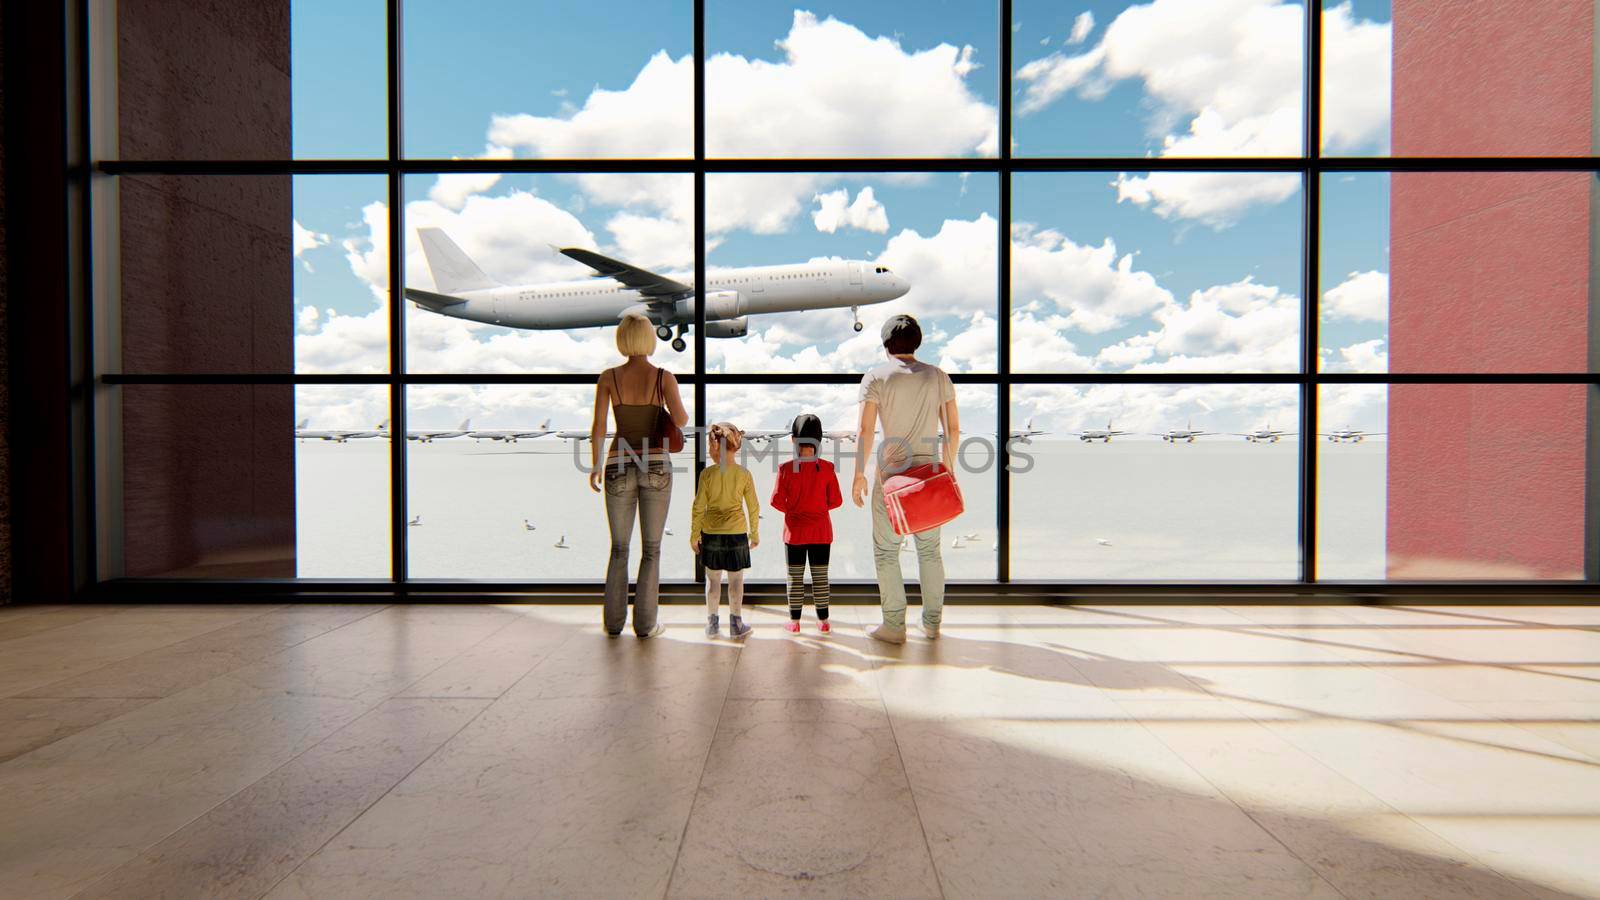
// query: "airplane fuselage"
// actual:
[[731, 294]]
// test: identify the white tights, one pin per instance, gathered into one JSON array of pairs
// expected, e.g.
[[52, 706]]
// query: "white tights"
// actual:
[[714, 591]]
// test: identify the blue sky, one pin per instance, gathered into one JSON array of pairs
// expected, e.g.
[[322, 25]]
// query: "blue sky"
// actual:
[[1184, 236]]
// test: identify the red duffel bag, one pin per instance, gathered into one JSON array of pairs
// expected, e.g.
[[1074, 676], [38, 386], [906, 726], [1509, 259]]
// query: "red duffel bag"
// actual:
[[921, 497]]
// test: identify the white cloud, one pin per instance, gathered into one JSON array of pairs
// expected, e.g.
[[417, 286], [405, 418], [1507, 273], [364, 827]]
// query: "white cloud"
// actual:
[[1093, 288], [954, 271], [835, 211], [307, 318], [1239, 327], [305, 239], [652, 117], [1223, 79], [1081, 26], [1363, 406], [1216, 199], [1357, 58], [452, 189], [1370, 357], [1361, 297], [812, 103]]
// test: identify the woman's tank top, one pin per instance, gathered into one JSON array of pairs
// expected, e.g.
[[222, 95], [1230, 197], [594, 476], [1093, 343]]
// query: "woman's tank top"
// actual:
[[635, 421]]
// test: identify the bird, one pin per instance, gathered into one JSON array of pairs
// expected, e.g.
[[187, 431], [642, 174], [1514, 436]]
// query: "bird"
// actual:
[[562, 544], [970, 536], [416, 521], [1102, 542], [528, 526], [955, 542], [669, 531]]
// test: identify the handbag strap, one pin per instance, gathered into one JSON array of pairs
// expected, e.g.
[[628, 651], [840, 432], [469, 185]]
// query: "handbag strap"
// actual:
[[661, 392]]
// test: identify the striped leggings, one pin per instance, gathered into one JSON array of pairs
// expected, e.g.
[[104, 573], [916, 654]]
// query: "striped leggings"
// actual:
[[817, 556]]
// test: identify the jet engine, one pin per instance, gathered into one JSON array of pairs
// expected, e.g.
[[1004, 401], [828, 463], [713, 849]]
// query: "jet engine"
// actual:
[[728, 328]]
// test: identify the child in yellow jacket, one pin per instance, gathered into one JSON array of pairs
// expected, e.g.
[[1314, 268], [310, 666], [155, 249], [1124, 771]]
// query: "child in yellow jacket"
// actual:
[[725, 525]]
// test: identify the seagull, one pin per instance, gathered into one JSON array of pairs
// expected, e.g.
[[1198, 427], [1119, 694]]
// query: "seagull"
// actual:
[[528, 526], [1102, 542], [955, 542], [669, 531], [416, 521], [562, 544], [969, 536]]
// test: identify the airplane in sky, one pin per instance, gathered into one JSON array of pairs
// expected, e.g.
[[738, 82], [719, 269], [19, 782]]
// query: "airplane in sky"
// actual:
[[338, 435], [463, 291], [428, 436], [1104, 435], [1263, 435], [1187, 433], [1352, 435], [1026, 434], [511, 435]]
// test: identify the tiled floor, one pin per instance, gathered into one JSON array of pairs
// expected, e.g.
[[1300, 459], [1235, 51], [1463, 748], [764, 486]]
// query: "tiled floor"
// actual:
[[514, 751]]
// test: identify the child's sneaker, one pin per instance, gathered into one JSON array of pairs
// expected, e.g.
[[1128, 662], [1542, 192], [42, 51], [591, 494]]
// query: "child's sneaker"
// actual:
[[823, 626], [736, 627], [711, 626], [792, 626]]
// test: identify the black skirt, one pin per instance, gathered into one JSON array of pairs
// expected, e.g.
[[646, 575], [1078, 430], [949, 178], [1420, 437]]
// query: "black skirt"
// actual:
[[726, 552]]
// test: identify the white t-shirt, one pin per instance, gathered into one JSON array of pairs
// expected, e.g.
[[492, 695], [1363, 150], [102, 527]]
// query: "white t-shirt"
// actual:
[[910, 395]]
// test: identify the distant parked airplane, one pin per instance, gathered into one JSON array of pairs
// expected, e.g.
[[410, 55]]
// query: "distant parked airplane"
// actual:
[[511, 435], [338, 435], [1104, 435], [759, 436], [428, 436], [1264, 435], [1187, 433], [1353, 435], [463, 291], [1027, 433]]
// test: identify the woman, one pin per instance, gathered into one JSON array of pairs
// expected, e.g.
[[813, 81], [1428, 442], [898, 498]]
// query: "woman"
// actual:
[[637, 474]]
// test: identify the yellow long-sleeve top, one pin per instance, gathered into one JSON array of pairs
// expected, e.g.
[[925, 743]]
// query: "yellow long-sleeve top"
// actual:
[[717, 503]]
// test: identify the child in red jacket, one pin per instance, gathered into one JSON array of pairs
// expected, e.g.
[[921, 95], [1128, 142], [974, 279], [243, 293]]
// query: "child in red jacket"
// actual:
[[807, 488]]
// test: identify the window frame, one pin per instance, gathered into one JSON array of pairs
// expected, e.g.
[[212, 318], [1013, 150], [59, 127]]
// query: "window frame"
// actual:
[[1311, 165]]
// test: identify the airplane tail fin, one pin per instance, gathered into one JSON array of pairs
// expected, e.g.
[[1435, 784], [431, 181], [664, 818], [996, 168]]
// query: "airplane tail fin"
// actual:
[[545, 425], [466, 425], [453, 271], [384, 425]]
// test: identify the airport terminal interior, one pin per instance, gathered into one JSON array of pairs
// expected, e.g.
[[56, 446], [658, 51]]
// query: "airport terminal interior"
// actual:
[[1129, 448]]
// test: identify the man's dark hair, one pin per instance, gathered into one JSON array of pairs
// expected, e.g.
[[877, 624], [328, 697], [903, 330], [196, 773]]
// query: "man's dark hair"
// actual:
[[901, 335]]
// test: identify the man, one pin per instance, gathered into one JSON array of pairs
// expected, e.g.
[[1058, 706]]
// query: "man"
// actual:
[[910, 400]]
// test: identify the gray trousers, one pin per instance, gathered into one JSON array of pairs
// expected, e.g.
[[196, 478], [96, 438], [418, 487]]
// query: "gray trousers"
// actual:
[[891, 579], [628, 489]]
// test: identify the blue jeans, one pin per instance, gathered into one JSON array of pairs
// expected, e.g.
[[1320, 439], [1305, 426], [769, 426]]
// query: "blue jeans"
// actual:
[[647, 492], [891, 581]]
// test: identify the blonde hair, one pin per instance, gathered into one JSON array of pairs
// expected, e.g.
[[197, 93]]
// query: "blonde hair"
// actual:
[[636, 336], [726, 434]]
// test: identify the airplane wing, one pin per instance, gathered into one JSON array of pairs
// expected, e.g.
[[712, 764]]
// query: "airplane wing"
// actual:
[[840, 435], [765, 435], [658, 288]]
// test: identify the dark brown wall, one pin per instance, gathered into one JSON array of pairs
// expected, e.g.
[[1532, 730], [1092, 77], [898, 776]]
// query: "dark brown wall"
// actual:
[[5, 362], [207, 286]]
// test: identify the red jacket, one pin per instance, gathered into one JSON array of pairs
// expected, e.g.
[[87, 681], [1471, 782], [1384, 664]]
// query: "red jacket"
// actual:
[[807, 488]]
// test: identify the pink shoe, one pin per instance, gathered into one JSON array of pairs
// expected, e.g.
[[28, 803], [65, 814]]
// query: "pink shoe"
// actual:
[[824, 627], [792, 626]]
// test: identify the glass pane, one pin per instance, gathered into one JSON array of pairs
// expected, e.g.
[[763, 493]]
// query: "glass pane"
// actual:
[[1457, 272], [888, 79], [1505, 79], [1156, 483], [301, 79], [243, 274], [563, 79], [499, 487], [765, 412], [1161, 78], [1160, 272], [507, 280], [796, 260], [1457, 482], [247, 481]]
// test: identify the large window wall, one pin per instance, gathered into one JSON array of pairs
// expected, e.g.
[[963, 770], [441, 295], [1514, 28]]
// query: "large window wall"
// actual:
[[1232, 294]]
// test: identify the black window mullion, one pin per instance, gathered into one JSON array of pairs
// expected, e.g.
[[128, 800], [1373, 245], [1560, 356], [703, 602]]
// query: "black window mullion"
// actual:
[[699, 249], [1311, 237], [397, 398], [1002, 497]]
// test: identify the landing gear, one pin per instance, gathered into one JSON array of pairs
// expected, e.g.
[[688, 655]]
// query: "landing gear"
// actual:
[[678, 343], [664, 332], [856, 311]]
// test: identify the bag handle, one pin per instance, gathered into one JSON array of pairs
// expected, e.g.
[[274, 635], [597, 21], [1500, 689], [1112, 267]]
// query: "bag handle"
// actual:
[[661, 392]]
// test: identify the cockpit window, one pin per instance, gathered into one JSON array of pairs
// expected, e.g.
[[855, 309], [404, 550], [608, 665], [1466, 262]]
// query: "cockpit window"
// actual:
[[882, 270]]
